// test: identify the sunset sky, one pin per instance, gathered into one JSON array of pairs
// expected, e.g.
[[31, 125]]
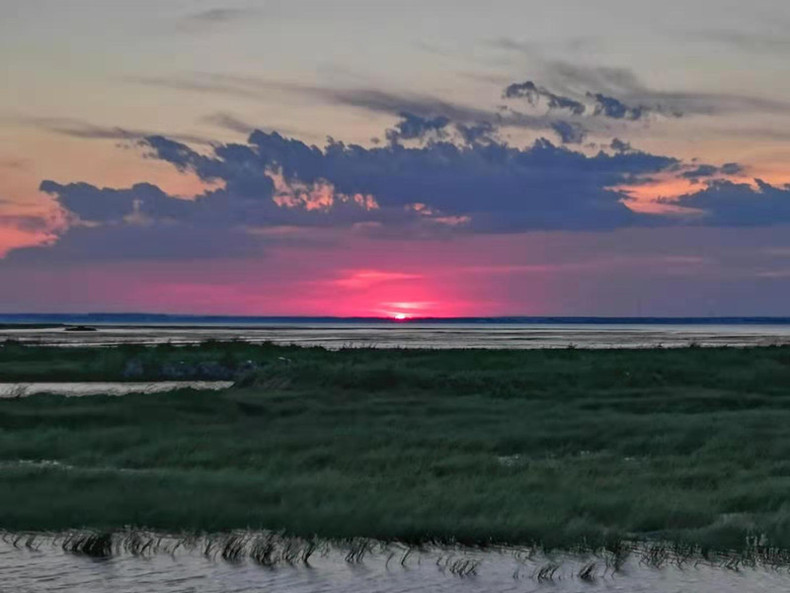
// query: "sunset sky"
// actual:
[[410, 158]]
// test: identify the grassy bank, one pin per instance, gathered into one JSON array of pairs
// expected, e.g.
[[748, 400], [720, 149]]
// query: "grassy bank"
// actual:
[[554, 447]]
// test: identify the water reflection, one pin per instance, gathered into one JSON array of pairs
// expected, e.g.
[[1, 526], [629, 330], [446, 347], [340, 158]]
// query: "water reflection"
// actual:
[[14, 390], [49, 568]]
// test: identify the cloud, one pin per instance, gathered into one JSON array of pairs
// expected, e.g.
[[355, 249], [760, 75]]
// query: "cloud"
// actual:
[[414, 127], [616, 109], [592, 92], [229, 122], [602, 105], [458, 178], [754, 42], [214, 17], [626, 86], [276, 182], [77, 128], [484, 133], [368, 99], [26, 222], [432, 129], [574, 79], [724, 203], [731, 169], [620, 145], [533, 93], [221, 15], [569, 133], [541, 186], [703, 171], [95, 205]]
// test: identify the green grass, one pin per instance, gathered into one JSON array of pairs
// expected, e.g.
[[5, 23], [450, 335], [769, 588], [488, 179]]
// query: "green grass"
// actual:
[[553, 447]]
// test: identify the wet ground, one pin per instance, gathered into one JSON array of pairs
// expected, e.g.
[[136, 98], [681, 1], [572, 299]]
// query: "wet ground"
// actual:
[[417, 335], [11, 390]]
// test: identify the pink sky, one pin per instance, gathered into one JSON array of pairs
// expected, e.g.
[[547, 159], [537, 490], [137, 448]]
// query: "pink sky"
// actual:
[[693, 126]]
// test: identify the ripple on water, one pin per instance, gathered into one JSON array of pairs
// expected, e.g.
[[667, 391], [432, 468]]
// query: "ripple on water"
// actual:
[[51, 569]]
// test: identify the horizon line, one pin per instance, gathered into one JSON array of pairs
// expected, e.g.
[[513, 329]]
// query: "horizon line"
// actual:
[[142, 316]]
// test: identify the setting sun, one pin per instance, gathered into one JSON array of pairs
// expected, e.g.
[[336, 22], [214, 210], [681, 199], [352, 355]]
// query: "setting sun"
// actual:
[[400, 316]]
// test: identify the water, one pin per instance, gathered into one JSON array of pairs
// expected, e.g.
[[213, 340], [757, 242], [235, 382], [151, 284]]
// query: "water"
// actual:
[[50, 569], [11, 390], [423, 335]]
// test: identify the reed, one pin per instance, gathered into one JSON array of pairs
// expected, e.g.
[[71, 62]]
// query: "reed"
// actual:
[[565, 449], [273, 550], [89, 543]]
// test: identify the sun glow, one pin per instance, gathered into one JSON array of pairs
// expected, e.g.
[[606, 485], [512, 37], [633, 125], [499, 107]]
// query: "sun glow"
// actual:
[[400, 316]]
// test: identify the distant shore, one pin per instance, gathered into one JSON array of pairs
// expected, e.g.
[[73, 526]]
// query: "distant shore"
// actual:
[[448, 334], [558, 448], [157, 320]]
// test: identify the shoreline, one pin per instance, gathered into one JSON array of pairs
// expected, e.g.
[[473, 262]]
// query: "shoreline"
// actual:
[[406, 336], [279, 550]]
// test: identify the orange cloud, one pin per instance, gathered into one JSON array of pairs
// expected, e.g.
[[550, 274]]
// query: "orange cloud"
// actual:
[[15, 238], [319, 195]]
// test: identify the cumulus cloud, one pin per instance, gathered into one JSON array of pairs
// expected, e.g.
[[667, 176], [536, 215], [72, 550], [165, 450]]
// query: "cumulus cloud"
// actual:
[[724, 203], [272, 181], [107, 205], [498, 187], [414, 127], [455, 183]]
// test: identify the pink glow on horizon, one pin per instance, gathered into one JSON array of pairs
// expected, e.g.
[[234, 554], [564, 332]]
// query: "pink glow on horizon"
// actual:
[[535, 274]]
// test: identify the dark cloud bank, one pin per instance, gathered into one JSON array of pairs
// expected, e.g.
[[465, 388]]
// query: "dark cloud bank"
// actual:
[[451, 178]]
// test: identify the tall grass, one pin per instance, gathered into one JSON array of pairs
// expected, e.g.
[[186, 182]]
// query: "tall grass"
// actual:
[[547, 448], [275, 550]]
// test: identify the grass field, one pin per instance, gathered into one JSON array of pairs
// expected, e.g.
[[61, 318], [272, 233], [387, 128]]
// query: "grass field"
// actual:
[[560, 448]]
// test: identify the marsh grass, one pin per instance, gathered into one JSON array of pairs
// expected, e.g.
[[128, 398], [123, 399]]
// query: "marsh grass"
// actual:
[[557, 449]]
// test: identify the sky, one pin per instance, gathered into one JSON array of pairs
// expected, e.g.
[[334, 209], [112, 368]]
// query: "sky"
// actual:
[[396, 159]]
